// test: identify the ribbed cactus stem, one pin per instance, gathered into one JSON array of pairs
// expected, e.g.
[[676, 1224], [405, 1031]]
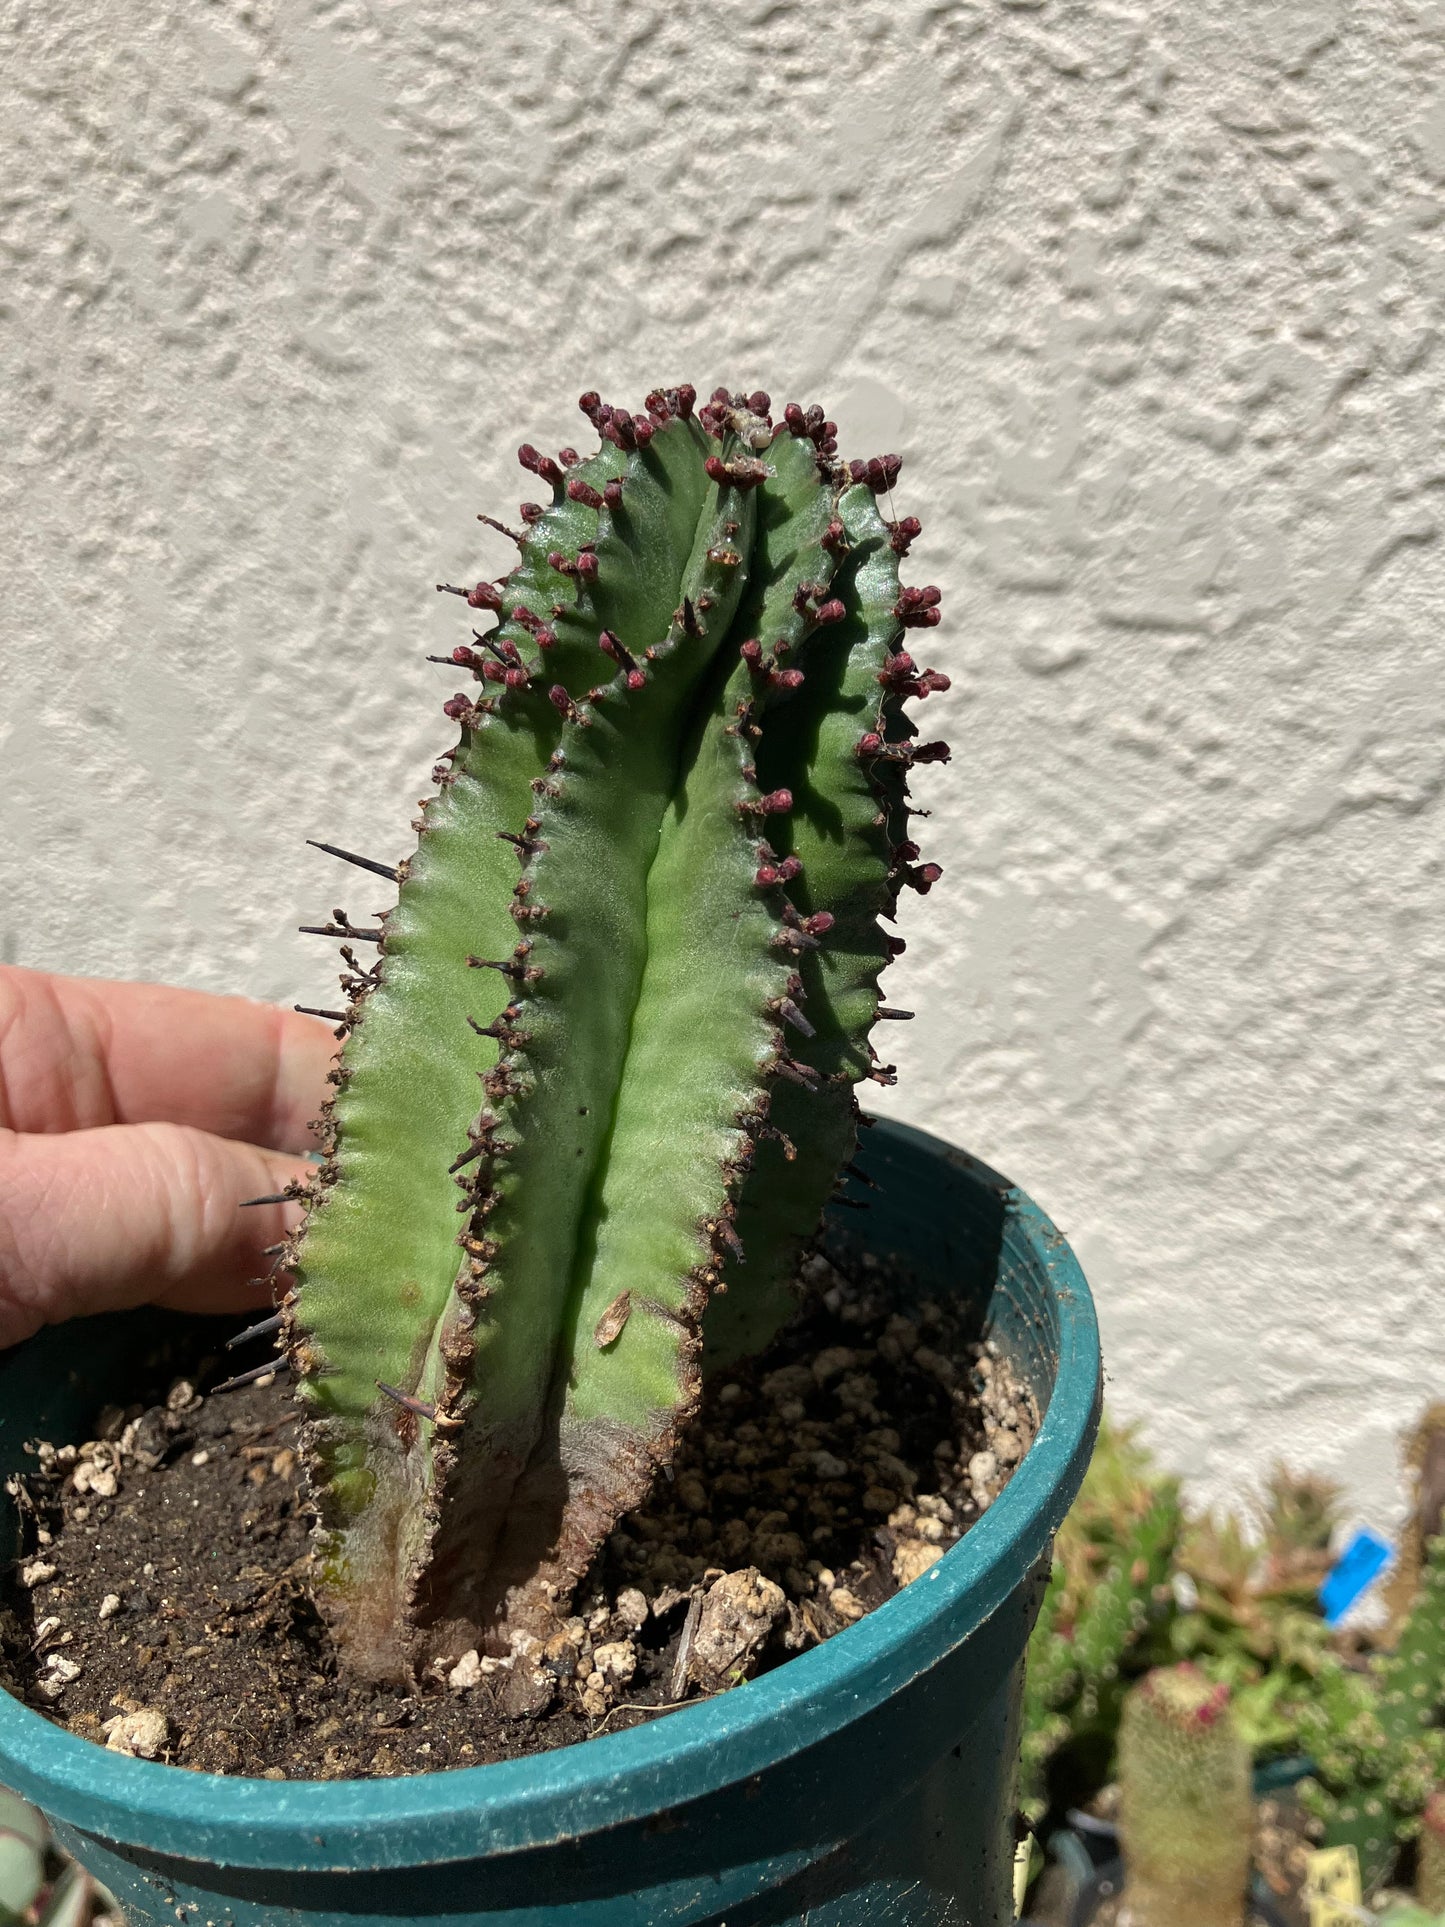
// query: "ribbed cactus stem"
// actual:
[[1185, 1807], [601, 1068]]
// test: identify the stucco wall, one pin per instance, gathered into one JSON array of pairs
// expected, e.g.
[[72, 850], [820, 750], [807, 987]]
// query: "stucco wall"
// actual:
[[1149, 297]]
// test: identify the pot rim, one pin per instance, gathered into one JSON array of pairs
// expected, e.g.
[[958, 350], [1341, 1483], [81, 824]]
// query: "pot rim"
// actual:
[[511, 1805]]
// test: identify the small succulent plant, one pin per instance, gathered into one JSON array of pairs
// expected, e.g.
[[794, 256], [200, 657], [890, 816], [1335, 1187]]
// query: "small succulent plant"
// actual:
[[1106, 1602], [38, 1886], [1378, 1745], [1252, 1615], [1185, 1812], [598, 1082]]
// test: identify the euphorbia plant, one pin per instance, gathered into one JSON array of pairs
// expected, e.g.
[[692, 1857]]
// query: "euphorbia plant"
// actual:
[[597, 1085]]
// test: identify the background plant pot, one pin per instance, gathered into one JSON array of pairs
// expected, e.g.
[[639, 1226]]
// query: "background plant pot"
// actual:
[[868, 1780]]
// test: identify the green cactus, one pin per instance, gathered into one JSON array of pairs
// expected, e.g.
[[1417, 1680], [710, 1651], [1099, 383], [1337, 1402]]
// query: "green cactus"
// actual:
[[1378, 1746], [620, 897], [1105, 1600], [1185, 1812]]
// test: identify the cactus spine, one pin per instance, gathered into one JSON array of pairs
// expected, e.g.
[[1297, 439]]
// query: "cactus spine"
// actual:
[[1185, 1808], [623, 892]]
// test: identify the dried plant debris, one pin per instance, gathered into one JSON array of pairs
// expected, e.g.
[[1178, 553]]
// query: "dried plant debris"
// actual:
[[162, 1606]]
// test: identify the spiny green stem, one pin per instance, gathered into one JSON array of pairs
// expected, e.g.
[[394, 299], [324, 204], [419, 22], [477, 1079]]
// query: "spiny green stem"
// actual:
[[668, 830]]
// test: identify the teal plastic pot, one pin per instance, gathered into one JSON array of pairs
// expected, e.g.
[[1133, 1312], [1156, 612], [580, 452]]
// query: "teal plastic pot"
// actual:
[[868, 1780]]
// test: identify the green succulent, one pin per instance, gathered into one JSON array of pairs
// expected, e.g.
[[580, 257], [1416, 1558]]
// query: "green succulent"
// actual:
[[1376, 1738], [598, 1083], [30, 1896], [1185, 1808]]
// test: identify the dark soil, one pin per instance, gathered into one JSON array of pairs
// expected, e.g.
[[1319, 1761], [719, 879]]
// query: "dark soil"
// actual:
[[161, 1606]]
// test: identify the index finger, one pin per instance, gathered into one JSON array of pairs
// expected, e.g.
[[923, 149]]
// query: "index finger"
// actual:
[[80, 1052]]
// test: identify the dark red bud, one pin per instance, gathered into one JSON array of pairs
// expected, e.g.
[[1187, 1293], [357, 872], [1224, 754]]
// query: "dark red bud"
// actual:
[[900, 665], [835, 539], [544, 637], [925, 876], [540, 464], [588, 565], [515, 678], [458, 708], [904, 534], [908, 852], [786, 678], [493, 670], [833, 611], [580, 491], [795, 419], [636, 679], [751, 652], [686, 398], [779, 872], [760, 401], [895, 945], [879, 473], [819, 924], [776, 802], [591, 405], [932, 753], [568, 457], [642, 430], [870, 744], [932, 679], [612, 494], [743, 473], [559, 699], [531, 512], [486, 595]]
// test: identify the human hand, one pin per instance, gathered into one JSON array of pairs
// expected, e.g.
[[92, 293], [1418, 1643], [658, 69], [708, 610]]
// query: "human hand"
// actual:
[[133, 1121]]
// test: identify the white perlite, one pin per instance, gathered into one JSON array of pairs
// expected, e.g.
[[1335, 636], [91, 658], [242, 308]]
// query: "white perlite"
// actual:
[[143, 1732], [1147, 295]]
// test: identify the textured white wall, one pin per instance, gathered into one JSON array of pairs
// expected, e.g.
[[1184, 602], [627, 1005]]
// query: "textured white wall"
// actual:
[[1148, 296]]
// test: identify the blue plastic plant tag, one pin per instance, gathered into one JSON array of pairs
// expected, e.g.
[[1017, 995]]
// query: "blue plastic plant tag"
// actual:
[[1359, 1565]]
